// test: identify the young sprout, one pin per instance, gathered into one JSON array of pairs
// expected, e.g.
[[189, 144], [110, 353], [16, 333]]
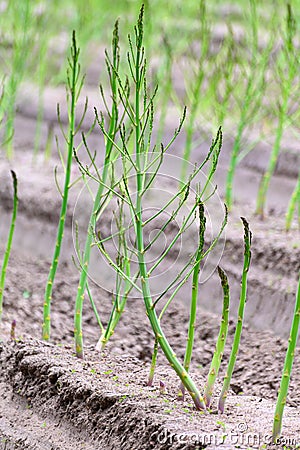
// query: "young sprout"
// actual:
[[287, 369], [218, 354], [239, 325], [153, 363], [9, 241], [74, 86], [162, 387]]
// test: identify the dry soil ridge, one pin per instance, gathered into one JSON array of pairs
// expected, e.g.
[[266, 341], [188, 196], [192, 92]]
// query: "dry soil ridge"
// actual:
[[74, 404]]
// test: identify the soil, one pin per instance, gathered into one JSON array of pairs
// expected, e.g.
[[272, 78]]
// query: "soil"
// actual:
[[51, 400]]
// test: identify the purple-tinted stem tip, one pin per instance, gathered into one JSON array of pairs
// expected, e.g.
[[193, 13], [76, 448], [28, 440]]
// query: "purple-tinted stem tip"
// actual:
[[162, 387], [12, 330], [207, 399], [221, 405], [150, 380], [199, 403]]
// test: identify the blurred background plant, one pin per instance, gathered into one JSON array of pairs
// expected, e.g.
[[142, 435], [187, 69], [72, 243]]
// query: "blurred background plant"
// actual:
[[226, 62]]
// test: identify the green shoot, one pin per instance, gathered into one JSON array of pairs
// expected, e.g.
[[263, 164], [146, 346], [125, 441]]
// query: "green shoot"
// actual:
[[294, 201], [112, 67], [74, 85], [287, 369], [78, 267], [195, 288], [239, 325], [153, 363], [218, 354], [9, 241]]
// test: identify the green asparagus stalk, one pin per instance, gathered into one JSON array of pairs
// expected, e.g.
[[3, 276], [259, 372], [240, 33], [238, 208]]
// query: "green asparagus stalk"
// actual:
[[139, 66], [9, 241], [113, 123], [218, 354], [195, 289], [239, 325], [74, 86], [287, 369]]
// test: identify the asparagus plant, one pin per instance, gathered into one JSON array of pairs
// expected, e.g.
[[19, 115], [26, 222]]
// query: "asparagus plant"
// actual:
[[74, 86], [112, 67], [9, 241], [239, 324], [145, 165], [287, 369], [136, 123], [138, 67], [122, 264], [218, 354]]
